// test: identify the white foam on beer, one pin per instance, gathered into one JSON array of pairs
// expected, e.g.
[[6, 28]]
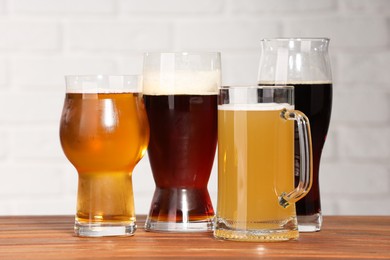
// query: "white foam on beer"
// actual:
[[256, 107], [182, 83]]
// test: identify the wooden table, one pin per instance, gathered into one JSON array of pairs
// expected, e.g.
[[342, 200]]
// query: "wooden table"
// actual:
[[51, 237]]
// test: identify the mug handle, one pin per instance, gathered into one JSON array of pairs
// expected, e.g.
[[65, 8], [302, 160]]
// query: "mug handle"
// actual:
[[306, 161]]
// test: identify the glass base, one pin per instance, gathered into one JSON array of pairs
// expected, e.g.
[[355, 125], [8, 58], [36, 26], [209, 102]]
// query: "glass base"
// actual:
[[104, 229], [180, 210], [256, 235], [262, 231], [311, 223], [198, 226]]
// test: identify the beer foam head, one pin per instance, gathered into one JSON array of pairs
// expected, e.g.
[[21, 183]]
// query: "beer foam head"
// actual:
[[103, 84], [256, 107], [181, 82]]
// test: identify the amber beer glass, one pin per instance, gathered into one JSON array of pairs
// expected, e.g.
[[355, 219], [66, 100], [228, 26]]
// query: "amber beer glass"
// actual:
[[104, 133], [303, 63], [256, 194], [180, 92]]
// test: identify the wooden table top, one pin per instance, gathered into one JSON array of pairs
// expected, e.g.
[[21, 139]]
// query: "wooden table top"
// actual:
[[51, 237]]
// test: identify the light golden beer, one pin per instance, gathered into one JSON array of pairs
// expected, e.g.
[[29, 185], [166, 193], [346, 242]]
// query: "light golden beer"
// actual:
[[255, 165], [104, 135]]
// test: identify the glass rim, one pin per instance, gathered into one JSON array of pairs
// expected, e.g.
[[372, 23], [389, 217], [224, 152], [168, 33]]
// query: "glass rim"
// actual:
[[182, 53], [97, 76], [297, 39], [257, 86], [101, 83], [251, 96]]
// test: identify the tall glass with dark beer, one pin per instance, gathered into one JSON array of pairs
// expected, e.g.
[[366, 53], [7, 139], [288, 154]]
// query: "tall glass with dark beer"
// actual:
[[180, 92], [304, 64], [104, 133]]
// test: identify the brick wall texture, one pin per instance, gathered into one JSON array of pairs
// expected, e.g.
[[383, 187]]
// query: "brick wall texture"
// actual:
[[43, 40]]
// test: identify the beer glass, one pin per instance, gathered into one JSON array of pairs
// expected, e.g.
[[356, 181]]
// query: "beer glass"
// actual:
[[180, 92], [256, 194], [104, 133], [303, 63]]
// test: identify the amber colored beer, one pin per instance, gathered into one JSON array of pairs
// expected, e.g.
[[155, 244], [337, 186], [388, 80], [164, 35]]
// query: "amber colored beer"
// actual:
[[255, 165], [104, 135]]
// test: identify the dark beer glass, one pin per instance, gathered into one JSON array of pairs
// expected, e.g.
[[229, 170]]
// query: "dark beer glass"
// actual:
[[180, 92], [304, 64]]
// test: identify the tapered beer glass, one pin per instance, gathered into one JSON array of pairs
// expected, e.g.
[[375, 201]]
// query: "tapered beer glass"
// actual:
[[104, 133], [304, 64], [180, 91]]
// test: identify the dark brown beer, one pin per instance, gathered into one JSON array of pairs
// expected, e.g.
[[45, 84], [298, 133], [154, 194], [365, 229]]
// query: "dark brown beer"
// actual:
[[315, 101], [183, 139]]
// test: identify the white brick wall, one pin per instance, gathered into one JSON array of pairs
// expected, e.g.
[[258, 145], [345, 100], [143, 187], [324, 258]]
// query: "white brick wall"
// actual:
[[345, 31], [24, 34], [112, 35], [224, 34], [63, 7], [365, 67], [177, 7], [270, 7], [42, 40], [48, 73]]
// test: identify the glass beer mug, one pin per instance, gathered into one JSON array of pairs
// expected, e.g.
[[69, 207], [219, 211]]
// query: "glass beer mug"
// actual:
[[304, 64], [256, 194], [180, 91], [104, 133]]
